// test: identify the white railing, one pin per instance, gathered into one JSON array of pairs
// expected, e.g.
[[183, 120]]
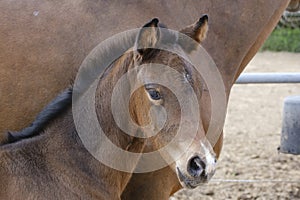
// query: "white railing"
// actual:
[[263, 78]]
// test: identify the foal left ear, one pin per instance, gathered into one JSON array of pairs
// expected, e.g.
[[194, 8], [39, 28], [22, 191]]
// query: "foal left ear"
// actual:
[[148, 36], [197, 31]]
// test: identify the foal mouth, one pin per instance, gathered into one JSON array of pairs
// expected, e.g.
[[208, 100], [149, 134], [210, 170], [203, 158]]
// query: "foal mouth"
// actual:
[[190, 182]]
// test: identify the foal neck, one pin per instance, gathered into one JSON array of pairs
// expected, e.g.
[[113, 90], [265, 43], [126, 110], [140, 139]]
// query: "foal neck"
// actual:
[[73, 165]]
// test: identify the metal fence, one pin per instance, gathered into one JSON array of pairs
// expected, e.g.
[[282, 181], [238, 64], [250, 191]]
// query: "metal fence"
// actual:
[[290, 20], [258, 78]]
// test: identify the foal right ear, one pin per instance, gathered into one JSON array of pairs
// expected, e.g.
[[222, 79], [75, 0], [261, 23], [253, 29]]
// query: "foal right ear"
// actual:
[[196, 31], [148, 36]]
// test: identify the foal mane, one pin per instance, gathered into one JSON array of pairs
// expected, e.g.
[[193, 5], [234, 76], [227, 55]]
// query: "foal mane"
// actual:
[[58, 105], [55, 108], [51, 111]]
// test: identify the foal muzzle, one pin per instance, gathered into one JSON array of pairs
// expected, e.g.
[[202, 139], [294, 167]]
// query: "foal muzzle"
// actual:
[[197, 172]]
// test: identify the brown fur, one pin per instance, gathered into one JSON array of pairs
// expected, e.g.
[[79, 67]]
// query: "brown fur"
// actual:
[[38, 54], [51, 166], [54, 163]]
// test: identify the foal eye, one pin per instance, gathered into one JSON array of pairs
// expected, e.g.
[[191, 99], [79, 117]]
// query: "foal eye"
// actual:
[[154, 94], [188, 77]]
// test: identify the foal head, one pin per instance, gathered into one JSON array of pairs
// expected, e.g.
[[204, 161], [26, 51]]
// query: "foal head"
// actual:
[[165, 102]]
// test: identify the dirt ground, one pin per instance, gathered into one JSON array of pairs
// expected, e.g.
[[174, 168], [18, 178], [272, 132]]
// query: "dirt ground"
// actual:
[[250, 166]]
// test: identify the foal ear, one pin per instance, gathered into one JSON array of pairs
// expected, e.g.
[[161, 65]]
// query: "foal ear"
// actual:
[[148, 36], [197, 31]]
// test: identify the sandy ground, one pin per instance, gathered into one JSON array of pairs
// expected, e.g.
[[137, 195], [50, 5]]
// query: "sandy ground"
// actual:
[[250, 166]]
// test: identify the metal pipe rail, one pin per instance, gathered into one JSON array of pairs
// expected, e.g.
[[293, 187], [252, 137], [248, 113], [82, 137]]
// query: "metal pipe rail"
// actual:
[[258, 78]]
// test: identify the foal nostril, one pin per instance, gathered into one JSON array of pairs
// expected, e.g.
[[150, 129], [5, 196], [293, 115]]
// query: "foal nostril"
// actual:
[[196, 166]]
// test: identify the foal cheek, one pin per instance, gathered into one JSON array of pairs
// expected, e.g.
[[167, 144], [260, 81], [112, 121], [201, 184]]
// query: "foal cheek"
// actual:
[[139, 107]]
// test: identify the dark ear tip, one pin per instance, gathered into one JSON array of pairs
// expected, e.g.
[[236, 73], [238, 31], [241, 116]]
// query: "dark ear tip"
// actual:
[[155, 21], [203, 18]]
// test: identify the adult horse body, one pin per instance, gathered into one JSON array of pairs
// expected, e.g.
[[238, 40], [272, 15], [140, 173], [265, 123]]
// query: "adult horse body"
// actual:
[[43, 42]]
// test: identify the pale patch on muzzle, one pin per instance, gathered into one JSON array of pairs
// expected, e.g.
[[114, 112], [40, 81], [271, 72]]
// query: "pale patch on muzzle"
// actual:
[[197, 165]]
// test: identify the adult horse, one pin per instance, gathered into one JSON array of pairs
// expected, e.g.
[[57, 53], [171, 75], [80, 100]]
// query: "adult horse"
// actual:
[[42, 42], [53, 162]]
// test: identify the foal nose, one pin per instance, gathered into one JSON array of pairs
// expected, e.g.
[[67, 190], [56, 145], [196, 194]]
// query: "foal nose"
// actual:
[[196, 167]]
